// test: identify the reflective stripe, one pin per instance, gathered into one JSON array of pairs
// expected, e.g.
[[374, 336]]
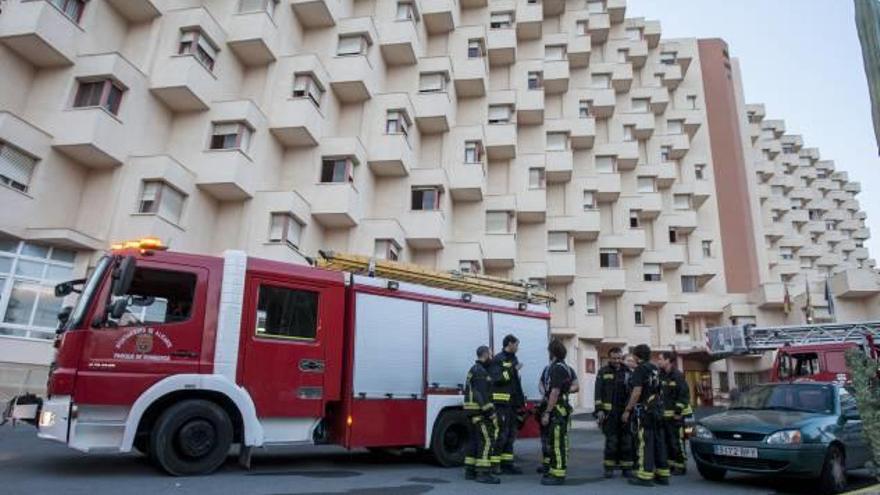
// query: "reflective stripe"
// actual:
[[469, 461], [471, 406], [558, 451], [608, 376], [476, 419], [495, 459], [487, 446], [507, 364], [663, 473], [640, 472], [559, 473], [505, 375], [610, 463], [506, 457], [606, 406], [500, 396], [488, 406], [626, 464]]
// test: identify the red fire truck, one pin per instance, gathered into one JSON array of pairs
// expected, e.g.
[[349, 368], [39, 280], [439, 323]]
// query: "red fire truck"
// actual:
[[181, 356]]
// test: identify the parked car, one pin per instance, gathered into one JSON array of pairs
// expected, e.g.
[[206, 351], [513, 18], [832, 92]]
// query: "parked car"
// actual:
[[801, 429]]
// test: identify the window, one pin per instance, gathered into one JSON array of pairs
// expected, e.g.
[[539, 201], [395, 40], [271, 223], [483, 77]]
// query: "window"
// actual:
[[629, 132], [426, 198], [536, 178], [815, 215], [673, 235], [592, 303], [16, 167], [641, 104], [475, 48], [682, 325], [397, 122], [159, 296], [622, 55], [160, 198], [230, 136], [707, 249], [753, 118], [830, 225], [72, 9], [582, 27], [267, 6], [584, 109], [700, 171], [557, 241], [386, 249], [681, 201], [639, 314], [307, 86], [606, 164], [28, 274], [469, 266], [473, 152], [352, 44], [634, 34], [286, 313], [536, 80], [498, 222], [668, 58], [105, 94], [557, 141], [645, 184], [284, 227], [433, 82], [665, 153], [609, 258], [601, 81], [555, 52], [634, 220], [500, 114], [723, 382], [692, 102], [589, 200], [406, 11], [652, 272], [595, 6], [501, 20], [194, 42], [336, 170], [675, 127], [788, 148], [689, 283]]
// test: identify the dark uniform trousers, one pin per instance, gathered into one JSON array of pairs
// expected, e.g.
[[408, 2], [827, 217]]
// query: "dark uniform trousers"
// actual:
[[482, 437], [673, 437], [618, 442], [506, 434], [651, 455], [555, 442]]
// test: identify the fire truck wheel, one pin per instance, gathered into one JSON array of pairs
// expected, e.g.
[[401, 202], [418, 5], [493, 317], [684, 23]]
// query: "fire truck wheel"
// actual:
[[191, 437], [451, 438]]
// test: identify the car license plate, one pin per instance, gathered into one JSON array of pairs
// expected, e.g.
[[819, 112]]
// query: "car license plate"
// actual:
[[727, 450]]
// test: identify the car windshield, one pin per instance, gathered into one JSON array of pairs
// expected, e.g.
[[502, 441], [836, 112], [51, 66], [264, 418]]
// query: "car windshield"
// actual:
[[812, 398]]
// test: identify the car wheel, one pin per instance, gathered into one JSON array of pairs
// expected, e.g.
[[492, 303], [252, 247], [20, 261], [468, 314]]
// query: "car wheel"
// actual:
[[711, 473], [451, 438], [833, 477], [191, 437]]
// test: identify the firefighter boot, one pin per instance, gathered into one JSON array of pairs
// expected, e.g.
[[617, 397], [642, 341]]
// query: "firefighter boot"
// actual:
[[470, 473], [552, 481], [627, 473], [640, 482], [486, 477], [679, 471], [662, 480], [511, 469], [609, 473]]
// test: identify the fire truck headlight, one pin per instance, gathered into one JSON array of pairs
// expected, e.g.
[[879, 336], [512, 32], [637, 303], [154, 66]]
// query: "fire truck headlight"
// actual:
[[701, 431], [785, 437], [47, 419]]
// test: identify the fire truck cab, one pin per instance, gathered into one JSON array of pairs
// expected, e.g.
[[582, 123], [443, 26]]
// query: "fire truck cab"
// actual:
[[817, 362], [181, 356]]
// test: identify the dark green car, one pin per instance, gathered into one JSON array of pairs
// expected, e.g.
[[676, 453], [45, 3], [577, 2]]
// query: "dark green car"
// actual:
[[809, 430]]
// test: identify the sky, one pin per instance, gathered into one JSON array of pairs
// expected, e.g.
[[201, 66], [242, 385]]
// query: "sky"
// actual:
[[803, 60]]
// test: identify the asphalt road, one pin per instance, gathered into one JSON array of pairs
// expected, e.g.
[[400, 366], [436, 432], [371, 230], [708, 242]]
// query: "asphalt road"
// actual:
[[31, 466]]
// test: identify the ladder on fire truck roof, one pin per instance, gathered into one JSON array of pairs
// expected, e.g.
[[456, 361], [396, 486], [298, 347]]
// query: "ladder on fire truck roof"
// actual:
[[454, 280], [748, 339]]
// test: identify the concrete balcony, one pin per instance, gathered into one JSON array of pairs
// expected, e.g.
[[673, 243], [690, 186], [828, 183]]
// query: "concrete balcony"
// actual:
[[798, 216], [499, 250], [774, 231], [853, 187], [822, 184], [622, 78], [777, 203], [316, 13], [637, 53], [630, 242], [470, 76], [501, 44], [616, 10], [425, 229], [337, 205], [136, 11], [861, 234], [598, 27], [604, 102], [704, 304], [531, 206], [559, 166], [296, 122], [816, 227], [590, 327], [352, 79], [613, 281], [670, 256], [855, 284], [649, 205], [467, 182], [501, 141], [582, 133], [529, 20], [607, 187], [829, 260], [654, 294], [766, 169], [860, 253], [849, 224], [434, 112], [670, 75], [91, 136], [771, 295], [39, 33], [530, 106], [560, 267], [851, 205], [556, 76], [399, 43], [683, 220], [803, 193], [390, 155], [846, 245], [791, 241], [440, 16], [226, 175], [643, 124], [579, 50], [253, 38], [626, 153], [183, 84], [665, 173], [583, 226], [680, 145]]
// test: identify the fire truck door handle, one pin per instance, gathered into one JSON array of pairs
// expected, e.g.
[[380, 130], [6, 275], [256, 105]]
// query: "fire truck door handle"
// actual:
[[311, 365], [184, 354]]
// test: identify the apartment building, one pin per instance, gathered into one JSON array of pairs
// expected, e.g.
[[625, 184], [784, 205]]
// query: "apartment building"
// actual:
[[549, 140]]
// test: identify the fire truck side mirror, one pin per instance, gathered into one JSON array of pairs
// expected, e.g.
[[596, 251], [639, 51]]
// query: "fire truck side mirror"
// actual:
[[123, 276]]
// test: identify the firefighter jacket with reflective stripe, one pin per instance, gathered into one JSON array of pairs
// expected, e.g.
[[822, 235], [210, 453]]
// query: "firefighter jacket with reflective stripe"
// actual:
[[506, 387], [478, 389], [553, 371], [611, 389], [676, 394]]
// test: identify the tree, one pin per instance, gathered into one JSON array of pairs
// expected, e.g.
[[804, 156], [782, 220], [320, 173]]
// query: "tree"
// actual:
[[866, 389]]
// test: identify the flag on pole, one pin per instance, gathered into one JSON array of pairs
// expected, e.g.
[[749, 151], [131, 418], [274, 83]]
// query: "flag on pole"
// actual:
[[786, 302], [808, 307], [830, 298]]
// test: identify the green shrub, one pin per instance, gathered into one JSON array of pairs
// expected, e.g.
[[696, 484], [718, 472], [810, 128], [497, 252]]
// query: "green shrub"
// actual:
[[866, 387]]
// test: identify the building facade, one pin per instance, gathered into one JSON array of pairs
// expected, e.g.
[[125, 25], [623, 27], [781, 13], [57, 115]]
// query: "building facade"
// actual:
[[555, 141]]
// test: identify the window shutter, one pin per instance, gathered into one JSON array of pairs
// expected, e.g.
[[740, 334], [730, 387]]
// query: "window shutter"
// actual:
[[496, 222], [431, 82], [15, 165], [601, 81], [682, 201], [674, 127], [557, 241], [501, 17], [171, 205], [225, 128], [554, 52], [589, 200], [605, 164], [276, 227], [652, 269], [206, 45], [294, 231], [640, 105], [499, 112], [557, 141], [349, 45], [645, 184], [252, 5], [301, 83]]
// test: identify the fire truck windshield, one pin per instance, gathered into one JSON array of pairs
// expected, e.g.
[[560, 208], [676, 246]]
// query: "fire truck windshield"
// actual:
[[88, 292]]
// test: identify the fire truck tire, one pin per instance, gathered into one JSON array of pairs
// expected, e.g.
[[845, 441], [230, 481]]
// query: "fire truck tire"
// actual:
[[191, 437], [451, 438]]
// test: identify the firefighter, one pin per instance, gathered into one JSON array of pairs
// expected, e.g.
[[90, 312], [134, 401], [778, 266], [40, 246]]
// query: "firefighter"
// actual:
[[481, 412], [676, 407], [573, 387], [557, 384], [507, 395], [611, 396], [645, 407]]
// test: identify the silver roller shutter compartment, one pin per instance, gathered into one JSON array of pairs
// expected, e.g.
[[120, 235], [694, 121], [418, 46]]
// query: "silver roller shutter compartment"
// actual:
[[453, 337], [533, 335]]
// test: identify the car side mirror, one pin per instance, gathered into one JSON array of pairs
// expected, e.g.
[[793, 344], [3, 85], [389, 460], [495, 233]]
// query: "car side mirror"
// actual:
[[65, 288], [851, 416]]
